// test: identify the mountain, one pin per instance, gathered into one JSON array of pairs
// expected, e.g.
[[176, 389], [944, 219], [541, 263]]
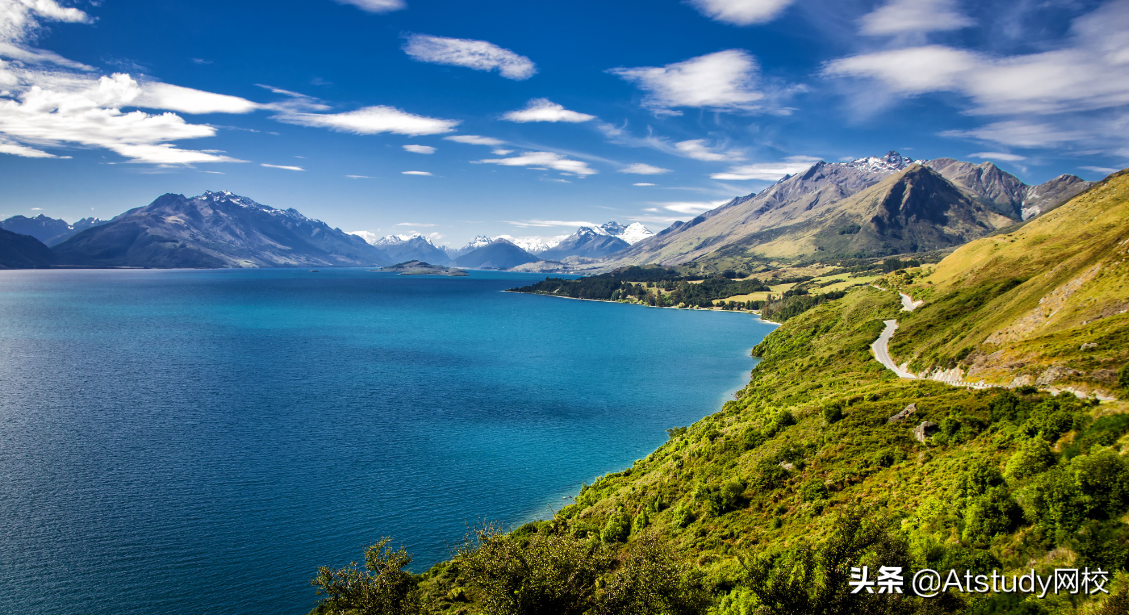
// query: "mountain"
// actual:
[[412, 247], [499, 254], [588, 242], [813, 212], [478, 242], [215, 229], [23, 252], [1005, 193], [50, 231], [632, 233], [1045, 304]]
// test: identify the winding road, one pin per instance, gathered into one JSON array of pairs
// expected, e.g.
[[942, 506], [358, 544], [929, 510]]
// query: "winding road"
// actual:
[[881, 349]]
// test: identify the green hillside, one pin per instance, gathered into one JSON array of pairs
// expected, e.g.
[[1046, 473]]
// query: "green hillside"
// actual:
[[814, 468], [1046, 304]]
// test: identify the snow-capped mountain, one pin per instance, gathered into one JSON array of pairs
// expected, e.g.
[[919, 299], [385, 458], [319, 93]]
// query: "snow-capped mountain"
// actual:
[[892, 162], [588, 242], [50, 231], [533, 244], [632, 233], [407, 247]]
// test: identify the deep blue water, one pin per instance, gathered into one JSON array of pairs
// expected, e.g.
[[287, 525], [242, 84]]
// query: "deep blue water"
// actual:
[[200, 441]]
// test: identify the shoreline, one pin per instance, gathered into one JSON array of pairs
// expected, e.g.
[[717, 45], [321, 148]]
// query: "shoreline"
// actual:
[[664, 307]]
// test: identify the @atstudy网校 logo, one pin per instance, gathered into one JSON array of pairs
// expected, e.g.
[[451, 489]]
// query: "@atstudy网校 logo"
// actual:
[[929, 583]]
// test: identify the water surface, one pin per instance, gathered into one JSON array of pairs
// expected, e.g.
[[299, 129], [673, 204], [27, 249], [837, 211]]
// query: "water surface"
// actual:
[[200, 441]]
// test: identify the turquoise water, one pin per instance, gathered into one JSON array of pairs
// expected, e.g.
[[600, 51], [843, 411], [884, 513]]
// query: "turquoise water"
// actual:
[[200, 441]]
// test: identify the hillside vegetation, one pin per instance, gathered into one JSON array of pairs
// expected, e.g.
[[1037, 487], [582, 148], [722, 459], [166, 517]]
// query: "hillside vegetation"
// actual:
[[1046, 304]]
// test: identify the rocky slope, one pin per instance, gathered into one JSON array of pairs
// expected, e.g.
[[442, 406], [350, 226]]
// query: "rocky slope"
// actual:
[[400, 248], [499, 254], [215, 229]]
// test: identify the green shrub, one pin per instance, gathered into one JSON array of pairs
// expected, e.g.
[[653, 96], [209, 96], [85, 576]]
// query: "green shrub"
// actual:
[[683, 515], [384, 588], [1103, 479], [1033, 457], [813, 490], [1123, 377], [832, 413], [617, 528], [991, 514]]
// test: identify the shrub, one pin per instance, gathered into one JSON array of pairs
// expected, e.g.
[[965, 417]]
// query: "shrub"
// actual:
[[813, 490], [1123, 377], [1103, 479], [385, 588], [683, 515], [991, 514], [1033, 457], [617, 528], [832, 413]]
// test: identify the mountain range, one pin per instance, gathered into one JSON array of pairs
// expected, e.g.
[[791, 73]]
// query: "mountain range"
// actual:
[[50, 231], [864, 208]]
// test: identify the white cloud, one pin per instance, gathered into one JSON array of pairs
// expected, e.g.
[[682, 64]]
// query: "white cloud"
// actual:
[[15, 149], [419, 149], [501, 152], [376, 6], [550, 223], [19, 19], [698, 150], [904, 16], [640, 168], [475, 140], [766, 171], [642, 184], [545, 110], [479, 55], [282, 166], [545, 160], [372, 120], [423, 173], [741, 12], [358, 177], [419, 224], [726, 80], [1020, 133], [998, 156], [1106, 170], [691, 207], [1091, 73], [188, 100], [56, 109]]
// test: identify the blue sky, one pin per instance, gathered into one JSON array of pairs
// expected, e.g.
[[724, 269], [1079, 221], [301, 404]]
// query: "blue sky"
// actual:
[[458, 118]]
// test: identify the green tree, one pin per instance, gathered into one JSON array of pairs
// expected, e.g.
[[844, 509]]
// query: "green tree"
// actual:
[[652, 581], [384, 588], [1033, 457]]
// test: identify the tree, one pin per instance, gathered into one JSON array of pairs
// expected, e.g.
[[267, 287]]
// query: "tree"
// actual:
[[385, 589]]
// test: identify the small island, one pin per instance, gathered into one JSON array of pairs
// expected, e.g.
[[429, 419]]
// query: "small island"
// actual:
[[422, 268]]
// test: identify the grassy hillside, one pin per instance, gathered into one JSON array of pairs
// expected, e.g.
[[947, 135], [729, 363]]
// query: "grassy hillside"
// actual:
[[1046, 304]]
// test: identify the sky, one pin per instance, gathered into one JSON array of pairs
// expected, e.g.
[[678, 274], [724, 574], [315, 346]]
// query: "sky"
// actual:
[[453, 118]]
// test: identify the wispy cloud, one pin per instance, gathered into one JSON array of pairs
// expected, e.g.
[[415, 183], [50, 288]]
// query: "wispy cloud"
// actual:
[[550, 223], [422, 173], [767, 171], [282, 166], [419, 149], [726, 80], [479, 55], [1106, 170], [689, 207], [419, 224], [475, 140], [376, 6], [643, 184], [545, 110], [904, 16], [372, 120], [358, 177], [640, 168], [1023, 134], [698, 150], [741, 12], [544, 160], [998, 156]]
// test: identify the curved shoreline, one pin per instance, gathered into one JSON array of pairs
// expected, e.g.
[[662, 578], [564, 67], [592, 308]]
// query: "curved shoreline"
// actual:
[[663, 307]]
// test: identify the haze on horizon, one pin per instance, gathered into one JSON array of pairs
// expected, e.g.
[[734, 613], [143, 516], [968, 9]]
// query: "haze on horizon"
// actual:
[[516, 118]]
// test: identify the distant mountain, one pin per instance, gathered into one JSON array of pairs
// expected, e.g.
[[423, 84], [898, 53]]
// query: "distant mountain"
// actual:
[[411, 247], [812, 212], [215, 229], [588, 242], [479, 241], [632, 233], [23, 252], [50, 231], [499, 254]]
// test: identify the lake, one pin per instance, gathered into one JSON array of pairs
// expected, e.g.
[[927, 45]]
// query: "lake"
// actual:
[[201, 441]]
